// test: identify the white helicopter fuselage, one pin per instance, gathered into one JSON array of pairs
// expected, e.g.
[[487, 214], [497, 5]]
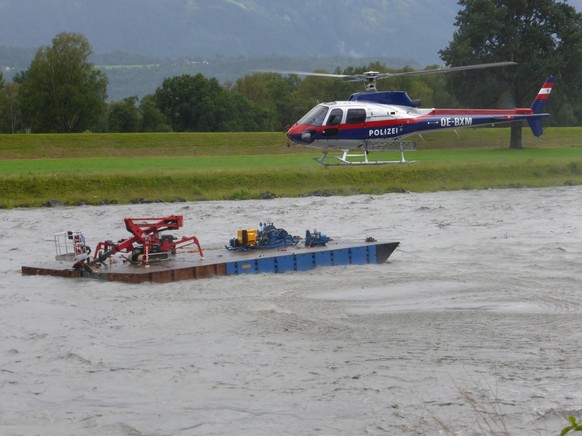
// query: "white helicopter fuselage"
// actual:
[[358, 122], [368, 121]]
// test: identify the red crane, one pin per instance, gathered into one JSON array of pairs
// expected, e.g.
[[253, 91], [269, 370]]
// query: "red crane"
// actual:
[[147, 244]]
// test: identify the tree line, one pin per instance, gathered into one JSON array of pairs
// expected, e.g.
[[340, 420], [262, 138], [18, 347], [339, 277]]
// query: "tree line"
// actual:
[[62, 92]]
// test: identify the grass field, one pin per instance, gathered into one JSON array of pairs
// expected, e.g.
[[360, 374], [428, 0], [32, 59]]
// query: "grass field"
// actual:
[[73, 169]]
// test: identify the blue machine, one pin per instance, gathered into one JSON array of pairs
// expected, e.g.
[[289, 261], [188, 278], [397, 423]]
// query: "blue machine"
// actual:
[[266, 237], [315, 239]]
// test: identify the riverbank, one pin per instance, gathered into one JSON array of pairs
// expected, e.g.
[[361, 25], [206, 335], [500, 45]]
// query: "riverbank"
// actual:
[[48, 170]]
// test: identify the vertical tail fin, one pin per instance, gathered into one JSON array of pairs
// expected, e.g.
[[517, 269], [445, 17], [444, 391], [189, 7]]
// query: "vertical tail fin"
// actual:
[[539, 105]]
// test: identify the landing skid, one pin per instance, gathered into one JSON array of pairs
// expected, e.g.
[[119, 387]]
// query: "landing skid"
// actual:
[[362, 158]]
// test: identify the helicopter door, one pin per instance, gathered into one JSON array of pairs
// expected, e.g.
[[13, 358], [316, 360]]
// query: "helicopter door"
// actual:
[[334, 119], [356, 116]]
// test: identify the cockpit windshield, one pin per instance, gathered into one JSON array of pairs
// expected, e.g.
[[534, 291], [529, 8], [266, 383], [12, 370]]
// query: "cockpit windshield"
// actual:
[[315, 116]]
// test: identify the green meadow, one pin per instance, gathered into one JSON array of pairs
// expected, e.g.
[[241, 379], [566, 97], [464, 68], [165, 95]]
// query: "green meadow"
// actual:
[[75, 169]]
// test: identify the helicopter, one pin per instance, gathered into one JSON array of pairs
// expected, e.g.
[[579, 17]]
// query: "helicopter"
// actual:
[[376, 121]]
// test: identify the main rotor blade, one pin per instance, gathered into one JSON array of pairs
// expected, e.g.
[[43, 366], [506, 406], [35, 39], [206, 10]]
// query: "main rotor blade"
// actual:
[[303, 73], [446, 70], [373, 75]]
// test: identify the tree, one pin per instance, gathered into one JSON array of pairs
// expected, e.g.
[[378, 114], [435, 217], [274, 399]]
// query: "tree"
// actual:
[[188, 102], [153, 120], [61, 91], [543, 36], [198, 104], [124, 116], [274, 93], [10, 116], [242, 115]]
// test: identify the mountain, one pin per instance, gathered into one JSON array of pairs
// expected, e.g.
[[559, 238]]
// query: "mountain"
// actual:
[[140, 42], [410, 29]]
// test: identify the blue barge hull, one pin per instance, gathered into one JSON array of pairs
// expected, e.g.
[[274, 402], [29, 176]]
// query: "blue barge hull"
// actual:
[[223, 263], [306, 259]]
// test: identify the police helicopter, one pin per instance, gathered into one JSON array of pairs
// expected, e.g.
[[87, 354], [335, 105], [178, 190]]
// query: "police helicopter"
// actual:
[[376, 121]]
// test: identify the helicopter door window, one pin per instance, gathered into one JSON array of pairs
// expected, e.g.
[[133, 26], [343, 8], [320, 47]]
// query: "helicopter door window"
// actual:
[[335, 117], [356, 116]]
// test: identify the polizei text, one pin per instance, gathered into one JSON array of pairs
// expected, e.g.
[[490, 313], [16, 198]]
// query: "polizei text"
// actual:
[[384, 132]]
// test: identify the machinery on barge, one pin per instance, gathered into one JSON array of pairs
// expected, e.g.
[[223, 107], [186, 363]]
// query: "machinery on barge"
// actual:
[[267, 236], [147, 243]]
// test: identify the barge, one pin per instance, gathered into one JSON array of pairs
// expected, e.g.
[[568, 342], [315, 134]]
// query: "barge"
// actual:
[[149, 256], [187, 266]]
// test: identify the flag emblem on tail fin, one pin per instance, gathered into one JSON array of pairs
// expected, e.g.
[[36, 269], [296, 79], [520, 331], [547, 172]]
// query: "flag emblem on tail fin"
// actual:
[[538, 106], [540, 102]]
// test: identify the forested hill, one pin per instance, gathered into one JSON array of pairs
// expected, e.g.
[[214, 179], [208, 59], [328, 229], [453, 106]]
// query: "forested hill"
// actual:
[[411, 29], [140, 42]]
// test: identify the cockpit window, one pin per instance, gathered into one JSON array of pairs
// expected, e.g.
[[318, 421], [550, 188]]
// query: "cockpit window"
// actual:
[[335, 117], [315, 116], [356, 116]]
